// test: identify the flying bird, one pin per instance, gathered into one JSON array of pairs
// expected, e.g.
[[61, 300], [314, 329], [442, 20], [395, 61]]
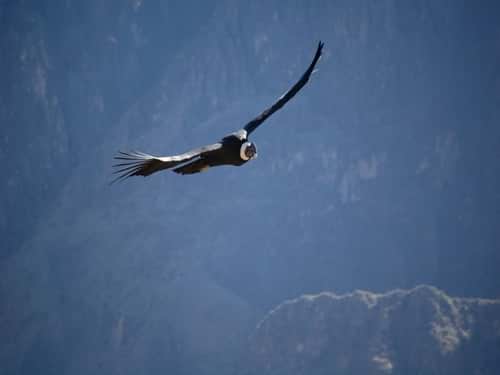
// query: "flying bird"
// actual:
[[234, 149]]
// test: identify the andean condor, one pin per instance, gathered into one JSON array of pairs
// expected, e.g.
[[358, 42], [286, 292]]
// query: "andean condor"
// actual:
[[233, 149]]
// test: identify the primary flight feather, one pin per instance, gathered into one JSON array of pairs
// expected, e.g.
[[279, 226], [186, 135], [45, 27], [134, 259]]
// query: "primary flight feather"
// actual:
[[233, 149]]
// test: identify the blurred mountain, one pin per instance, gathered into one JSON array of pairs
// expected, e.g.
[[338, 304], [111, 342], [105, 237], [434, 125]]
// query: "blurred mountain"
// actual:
[[69, 73], [418, 331], [380, 174]]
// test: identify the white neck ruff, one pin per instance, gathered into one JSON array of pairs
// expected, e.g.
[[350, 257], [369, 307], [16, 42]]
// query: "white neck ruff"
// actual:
[[242, 151]]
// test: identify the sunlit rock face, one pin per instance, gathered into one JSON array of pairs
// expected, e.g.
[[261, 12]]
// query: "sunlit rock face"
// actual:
[[420, 331]]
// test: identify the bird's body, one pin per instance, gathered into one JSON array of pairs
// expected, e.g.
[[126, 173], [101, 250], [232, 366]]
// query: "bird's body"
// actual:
[[234, 149], [229, 153]]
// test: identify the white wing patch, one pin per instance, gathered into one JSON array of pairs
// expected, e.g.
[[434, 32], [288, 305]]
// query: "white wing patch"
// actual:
[[240, 134]]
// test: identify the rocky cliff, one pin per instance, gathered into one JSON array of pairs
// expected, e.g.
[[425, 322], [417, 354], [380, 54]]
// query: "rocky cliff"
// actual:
[[418, 331]]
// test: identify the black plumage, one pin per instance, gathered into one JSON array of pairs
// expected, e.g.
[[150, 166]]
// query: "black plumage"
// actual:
[[233, 149]]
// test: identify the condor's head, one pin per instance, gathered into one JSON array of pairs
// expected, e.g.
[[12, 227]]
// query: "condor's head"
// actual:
[[248, 151]]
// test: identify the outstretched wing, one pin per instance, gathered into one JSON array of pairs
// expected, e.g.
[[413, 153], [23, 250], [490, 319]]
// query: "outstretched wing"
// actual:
[[137, 163], [196, 166], [252, 125]]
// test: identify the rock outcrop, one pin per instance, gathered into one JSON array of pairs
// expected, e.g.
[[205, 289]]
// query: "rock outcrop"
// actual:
[[420, 331]]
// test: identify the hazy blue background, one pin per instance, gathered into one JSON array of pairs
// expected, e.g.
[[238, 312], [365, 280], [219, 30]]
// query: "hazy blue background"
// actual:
[[382, 173]]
